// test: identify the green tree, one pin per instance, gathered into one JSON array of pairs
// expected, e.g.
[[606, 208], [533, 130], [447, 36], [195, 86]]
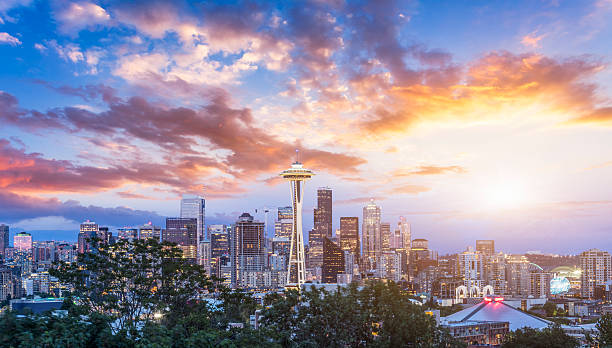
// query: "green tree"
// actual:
[[134, 282], [378, 315], [550, 337], [550, 309], [604, 328]]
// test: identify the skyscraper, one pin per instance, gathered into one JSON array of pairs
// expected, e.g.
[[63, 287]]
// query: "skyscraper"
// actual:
[[297, 175], [22, 241], [371, 237], [4, 239], [284, 224], [385, 236], [183, 232], [333, 261], [219, 248], [404, 230], [87, 231], [247, 249], [322, 227], [486, 247], [349, 234], [596, 271], [195, 207]]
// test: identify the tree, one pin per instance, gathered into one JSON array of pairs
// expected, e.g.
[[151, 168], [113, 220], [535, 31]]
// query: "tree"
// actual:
[[550, 337], [550, 309], [133, 282], [378, 315], [604, 328]]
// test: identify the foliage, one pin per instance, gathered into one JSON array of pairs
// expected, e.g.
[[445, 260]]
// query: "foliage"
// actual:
[[550, 337], [604, 328], [379, 314], [132, 281]]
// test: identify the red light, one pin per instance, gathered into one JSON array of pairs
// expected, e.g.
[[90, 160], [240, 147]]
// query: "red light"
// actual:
[[499, 299], [488, 299]]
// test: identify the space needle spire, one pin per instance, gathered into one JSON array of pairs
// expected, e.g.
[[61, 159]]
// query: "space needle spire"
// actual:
[[297, 175]]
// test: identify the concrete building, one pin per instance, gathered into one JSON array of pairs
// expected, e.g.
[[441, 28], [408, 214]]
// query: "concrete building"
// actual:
[[333, 261], [182, 232], [371, 237], [596, 271], [247, 251]]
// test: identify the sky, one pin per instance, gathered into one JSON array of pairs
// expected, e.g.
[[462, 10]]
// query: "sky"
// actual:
[[472, 119]]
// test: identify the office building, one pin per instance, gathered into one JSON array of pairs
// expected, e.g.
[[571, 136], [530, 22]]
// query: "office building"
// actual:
[[104, 235], [322, 227], [284, 213], [385, 236], [4, 239], [333, 261], [183, 232], [22, 241], [539, 286], [43, 252], [247, 250], [7, 283], [371, 238], [87, 231], [471, 270], [127, 233], [404, 227], [205, 256], [349, 234], [149, 231], [518, 275], [486, 247], [195, 207], [596, 271]]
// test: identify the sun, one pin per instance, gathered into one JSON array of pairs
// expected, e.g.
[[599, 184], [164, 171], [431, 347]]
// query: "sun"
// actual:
[[505, 195]]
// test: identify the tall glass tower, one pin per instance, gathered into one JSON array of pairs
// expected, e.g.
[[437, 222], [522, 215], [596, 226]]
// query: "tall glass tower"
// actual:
[[297, 175]]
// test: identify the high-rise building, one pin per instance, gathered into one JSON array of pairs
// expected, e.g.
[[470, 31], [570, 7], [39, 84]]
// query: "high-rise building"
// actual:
[[385, 236], [297, 176], [370, 231], [195, 207], [284, 213], [323, 212], [4, 239], [404, 227], [87, 231], [540, 284], [471, 270], [486, 247], [103, 235], [284, 224], [518, 275], [247, 250], [322, 227], [183, 232], [596, 271], [349, 234], [333, 261], [22, 241], [219, 238], [7, 286], [205, 255], [127, 233], [43, 252], [149, 230]]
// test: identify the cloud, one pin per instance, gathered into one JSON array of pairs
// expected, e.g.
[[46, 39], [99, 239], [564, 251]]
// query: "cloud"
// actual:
[[408, 189], [40, 47], [6, 38], [428, 170], [250, 150], [601, 116], [8, 5], [357, 200], [76, 16], [496, 85], [532, 40], [20, 207]]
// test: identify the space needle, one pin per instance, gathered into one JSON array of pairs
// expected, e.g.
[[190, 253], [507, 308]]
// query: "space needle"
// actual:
[[297, 175]]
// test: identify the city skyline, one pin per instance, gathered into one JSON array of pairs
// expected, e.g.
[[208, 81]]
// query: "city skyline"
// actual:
[[473, 120]]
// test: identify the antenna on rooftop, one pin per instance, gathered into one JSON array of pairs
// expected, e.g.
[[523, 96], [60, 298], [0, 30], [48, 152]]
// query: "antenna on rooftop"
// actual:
[[297, 156]]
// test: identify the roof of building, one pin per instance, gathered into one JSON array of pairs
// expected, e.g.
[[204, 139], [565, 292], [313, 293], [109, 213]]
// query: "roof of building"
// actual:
[[497, 310]]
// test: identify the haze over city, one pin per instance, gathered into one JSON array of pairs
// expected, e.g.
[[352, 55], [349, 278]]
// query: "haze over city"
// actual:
[[473, 120]]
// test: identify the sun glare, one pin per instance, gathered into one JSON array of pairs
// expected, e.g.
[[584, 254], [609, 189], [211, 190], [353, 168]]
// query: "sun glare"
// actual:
[[505, 195]]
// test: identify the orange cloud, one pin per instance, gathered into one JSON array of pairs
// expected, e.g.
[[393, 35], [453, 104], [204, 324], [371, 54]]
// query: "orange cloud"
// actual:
[[532, 40], [428, 170]]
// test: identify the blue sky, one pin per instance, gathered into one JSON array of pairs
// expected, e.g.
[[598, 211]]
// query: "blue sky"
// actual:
[[473, 119]]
